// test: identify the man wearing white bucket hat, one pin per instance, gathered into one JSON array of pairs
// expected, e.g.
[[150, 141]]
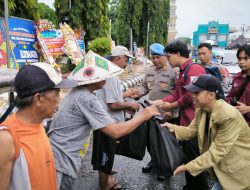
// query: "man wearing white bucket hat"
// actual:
[[111, 97], [82, 111]]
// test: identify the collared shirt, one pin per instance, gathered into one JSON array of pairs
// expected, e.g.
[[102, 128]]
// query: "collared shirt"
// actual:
[[238, 80], [182, 96], [159, 83]]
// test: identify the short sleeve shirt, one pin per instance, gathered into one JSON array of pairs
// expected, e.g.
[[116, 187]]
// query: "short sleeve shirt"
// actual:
[[112, 93], [70, 130], [160, 82]]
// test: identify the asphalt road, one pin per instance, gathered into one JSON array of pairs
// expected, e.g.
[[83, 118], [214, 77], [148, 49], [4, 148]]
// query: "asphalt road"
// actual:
[[129, 175]]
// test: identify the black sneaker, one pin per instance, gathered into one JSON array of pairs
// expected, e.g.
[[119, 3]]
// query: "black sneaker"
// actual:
[[162, 177], [148, 168]]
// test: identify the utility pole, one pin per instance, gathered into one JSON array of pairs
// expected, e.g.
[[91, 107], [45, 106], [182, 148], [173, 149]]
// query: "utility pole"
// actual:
[[131, 40], [147, 47], [243, 34], [69, 4], [147, 41], [6, 16]]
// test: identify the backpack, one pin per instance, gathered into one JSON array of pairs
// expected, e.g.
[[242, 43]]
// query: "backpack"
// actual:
[[212, 70]]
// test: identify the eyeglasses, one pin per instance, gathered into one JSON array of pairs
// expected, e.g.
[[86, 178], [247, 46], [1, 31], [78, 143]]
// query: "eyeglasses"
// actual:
[[243, 58]]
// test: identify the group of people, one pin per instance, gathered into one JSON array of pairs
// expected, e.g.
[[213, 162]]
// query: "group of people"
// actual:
[[213, 134]]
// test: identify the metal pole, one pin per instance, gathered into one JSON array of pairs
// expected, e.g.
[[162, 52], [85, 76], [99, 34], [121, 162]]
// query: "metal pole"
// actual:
[[147, 46], [131, 40], [69, 4], [242, 35], [147, 40], [6, 15], [110, 28]]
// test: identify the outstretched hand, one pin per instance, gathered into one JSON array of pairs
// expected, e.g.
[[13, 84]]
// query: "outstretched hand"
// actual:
[[149, 112], [156, 102], [169, 126], [131, 93], [180, 170]]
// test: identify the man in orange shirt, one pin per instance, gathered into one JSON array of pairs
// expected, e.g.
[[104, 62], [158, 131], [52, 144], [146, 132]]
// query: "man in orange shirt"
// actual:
[[26, 158]]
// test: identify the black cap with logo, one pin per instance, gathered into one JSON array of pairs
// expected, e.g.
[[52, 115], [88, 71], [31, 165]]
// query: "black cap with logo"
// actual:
[[206, 82]]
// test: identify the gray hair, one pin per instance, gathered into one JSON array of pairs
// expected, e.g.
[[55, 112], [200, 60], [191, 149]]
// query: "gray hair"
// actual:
[[22, 103]]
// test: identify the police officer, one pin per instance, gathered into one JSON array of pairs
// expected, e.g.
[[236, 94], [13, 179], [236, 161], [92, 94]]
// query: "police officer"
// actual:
[[158, 83], [160, 78]]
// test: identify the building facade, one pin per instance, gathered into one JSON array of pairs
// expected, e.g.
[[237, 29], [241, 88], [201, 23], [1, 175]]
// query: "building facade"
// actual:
[[212, 31], [172, 22]]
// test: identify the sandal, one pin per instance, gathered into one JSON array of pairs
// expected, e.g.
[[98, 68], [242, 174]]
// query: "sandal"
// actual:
[[117, 187], [113, 171]]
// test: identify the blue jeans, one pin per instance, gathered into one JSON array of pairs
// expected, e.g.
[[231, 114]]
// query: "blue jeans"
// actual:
[[217, 186]]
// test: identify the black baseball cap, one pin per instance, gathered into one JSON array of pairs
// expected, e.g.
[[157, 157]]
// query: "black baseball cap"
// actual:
[[39, 77], [205, 82]]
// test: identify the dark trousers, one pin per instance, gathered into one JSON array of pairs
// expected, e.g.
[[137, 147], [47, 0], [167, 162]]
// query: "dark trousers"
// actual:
[[200, 182]]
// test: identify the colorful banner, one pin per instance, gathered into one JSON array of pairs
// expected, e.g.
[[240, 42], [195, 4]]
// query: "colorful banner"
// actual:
[[22, 39], [54, 41], [3, 51], [52, 37], [71, 46], [79, 34]]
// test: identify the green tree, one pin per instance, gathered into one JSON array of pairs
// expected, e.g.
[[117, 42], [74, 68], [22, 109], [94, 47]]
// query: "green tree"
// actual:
[[22, 8], [129, 16], [47, 13], [11, 5], [136, 14], [101, 46], [92, 16], [113, 10]]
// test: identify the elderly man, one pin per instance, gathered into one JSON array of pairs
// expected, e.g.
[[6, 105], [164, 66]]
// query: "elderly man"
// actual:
[[111, 97], [223, 137], [26, 159], [82, 111]]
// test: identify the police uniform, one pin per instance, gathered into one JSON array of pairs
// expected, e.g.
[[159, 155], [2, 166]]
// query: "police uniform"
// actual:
[[159, 83]]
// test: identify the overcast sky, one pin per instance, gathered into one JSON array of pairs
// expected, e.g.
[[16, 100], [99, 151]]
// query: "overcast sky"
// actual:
[[190, 13]]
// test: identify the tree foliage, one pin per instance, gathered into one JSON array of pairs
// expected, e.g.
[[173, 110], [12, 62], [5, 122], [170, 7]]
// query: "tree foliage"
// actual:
[[92, 16], [22, 8], [101, 46], [136, 14], [113, 13], [47, 13]]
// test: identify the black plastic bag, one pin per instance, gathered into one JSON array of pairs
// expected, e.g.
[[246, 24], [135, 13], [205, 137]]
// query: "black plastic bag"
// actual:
[[134, 144], [103, 152], [165, 151]]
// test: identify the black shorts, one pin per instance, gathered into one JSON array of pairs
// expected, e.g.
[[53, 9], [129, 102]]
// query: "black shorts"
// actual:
[[103, 153]]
